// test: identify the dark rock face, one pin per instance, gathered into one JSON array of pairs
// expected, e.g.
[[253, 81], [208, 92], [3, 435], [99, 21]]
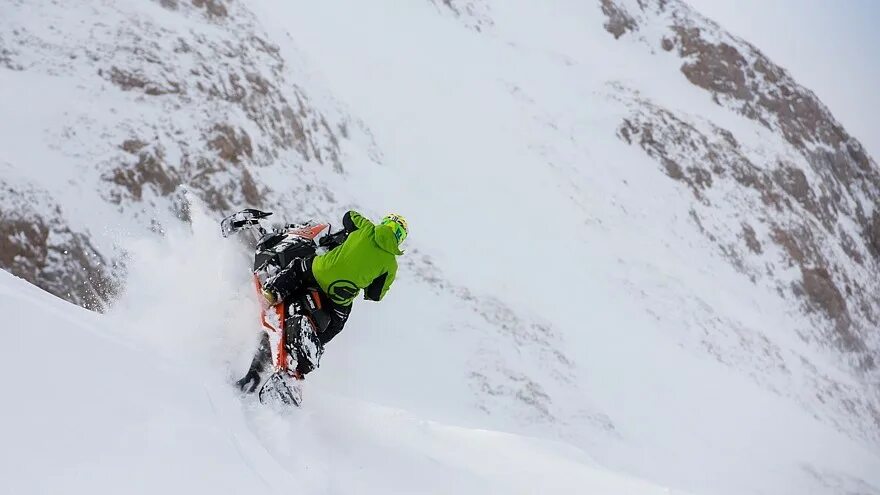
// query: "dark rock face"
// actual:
[[134, 80], [751, 239], [873, 234], [219, 167], [619, 21], [808, 207], [213, 8], [37, 244], [226, 107], [742, 78], [836, 181], [783, 201], [823, 293], [147, 170]]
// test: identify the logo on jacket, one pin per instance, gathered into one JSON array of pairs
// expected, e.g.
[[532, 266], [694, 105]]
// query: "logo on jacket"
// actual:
[[342, 291]]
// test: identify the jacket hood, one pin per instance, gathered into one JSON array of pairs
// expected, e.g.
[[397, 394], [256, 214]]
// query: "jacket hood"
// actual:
[[384, 237]]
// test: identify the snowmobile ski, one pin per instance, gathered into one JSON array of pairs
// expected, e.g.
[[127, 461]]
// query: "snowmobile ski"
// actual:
[[281, 390]]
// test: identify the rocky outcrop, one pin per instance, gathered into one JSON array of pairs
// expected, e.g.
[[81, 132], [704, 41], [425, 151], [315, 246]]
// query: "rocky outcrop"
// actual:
[[207, 102], [776, 222], [824, 198], [619, 21], [805, 222], [146, 169], [798, 214], [251, 80], [37, 244], [740, 77]]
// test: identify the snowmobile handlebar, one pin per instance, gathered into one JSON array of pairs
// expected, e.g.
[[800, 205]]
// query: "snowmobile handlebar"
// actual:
[[330, 241], [248, 217]]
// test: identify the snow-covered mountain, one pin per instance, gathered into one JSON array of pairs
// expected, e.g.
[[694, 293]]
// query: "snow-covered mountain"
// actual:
[[632, 232]]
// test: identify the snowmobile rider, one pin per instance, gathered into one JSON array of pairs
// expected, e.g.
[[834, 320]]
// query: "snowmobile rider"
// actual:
[[365, 259], [363, 256]]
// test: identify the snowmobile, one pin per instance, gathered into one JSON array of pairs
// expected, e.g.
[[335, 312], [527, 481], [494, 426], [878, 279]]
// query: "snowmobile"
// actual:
[[289, 327]]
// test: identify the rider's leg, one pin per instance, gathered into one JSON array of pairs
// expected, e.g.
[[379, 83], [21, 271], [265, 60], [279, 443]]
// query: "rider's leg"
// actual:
[[251, 380], [290, 279]]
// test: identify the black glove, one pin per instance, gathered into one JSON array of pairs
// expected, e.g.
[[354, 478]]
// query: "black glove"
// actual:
[[285, 282], [303, 369], [250, 382], [332, 241]]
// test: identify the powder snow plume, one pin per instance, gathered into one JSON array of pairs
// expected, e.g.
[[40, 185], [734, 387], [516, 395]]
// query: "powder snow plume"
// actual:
[[188, 293]]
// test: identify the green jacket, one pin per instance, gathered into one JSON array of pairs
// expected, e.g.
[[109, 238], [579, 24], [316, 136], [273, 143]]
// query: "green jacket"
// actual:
[[366, 260]]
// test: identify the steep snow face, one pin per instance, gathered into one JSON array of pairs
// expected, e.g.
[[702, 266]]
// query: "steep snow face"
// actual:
[[526, 136], [557, 282], [798, 214], [826, 181], [102, 414]]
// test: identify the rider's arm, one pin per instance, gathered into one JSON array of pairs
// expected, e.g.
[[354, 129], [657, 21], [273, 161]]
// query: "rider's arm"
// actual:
[[380, 285], [353, 220]]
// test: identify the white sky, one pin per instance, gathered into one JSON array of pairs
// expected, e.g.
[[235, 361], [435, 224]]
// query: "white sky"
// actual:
[[831, 47]]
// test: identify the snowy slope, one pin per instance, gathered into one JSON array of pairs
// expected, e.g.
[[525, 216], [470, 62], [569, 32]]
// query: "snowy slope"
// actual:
[[369, 424], [674, 345], [590, 260], [97, 414]]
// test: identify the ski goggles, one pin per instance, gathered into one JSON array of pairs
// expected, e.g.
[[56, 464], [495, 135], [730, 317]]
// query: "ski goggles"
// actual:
[[398, 226]]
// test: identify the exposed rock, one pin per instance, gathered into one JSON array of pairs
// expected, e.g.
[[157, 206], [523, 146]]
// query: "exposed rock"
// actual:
[[251, 79], [37, 244], [716, 67], [794, 182], [673, 169], [817, 191], [823, 293], [133, 145], [147, 170], [751, 239], [214, 8], [232, 146], [834, 185], [741, 76], [619, 21], [873, 234], [132, 80], [683, 151], [671, 141], [795, 244], [764, 91], [850, 248]]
